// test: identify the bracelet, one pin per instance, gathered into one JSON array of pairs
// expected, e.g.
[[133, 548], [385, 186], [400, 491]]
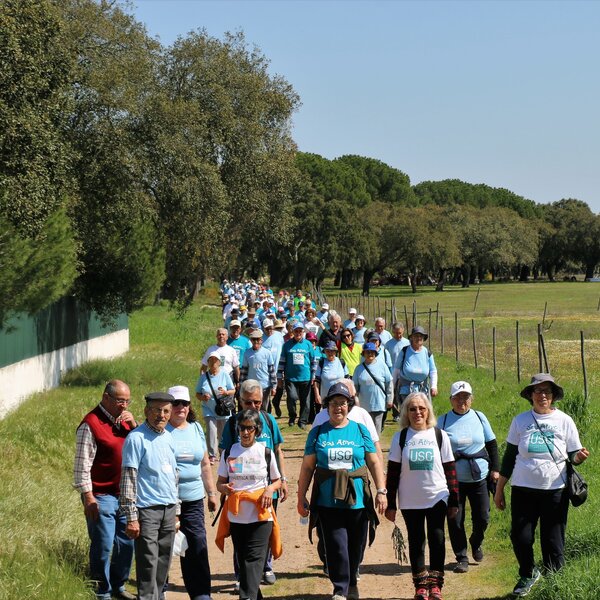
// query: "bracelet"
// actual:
[[284, 479], [213, 493]]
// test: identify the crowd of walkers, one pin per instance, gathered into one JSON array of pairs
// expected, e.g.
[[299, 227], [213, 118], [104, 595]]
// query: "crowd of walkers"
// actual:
[[144, 486]]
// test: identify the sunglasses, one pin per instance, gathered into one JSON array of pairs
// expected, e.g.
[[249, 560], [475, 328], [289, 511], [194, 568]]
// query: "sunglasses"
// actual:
[[246, 427], [180, 403]]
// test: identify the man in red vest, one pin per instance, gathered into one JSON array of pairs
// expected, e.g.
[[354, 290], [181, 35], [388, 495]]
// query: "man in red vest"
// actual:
[[97, 473]]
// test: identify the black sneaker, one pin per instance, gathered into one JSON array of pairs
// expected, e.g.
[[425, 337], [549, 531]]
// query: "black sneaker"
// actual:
[[525, 584], [477, 554], [461, 567]]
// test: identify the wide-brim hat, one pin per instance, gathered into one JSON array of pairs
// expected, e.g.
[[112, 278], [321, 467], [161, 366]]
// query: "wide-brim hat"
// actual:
[[557, 392], [419, 329]]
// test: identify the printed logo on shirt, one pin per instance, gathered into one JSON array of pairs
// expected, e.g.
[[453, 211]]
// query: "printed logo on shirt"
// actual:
[[538, 445], [298, 358], [339, 458], [420, 459]]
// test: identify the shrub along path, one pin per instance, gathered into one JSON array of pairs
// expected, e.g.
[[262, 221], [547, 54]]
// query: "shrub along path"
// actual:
[[299, 573]]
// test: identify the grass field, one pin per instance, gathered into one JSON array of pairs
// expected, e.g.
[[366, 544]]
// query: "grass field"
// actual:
[[42, 531]]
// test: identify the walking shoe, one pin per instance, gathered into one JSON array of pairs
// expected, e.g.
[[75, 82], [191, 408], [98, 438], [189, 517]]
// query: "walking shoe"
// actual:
[[461, 567], [278, 412], [269, 578], [236, 587], [477, 554], [421, 593], [435, 593], [338, 597], [353, 592], [525, 584], [358, 574]]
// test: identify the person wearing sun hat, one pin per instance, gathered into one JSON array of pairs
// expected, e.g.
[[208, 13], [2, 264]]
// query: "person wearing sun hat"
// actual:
[[359, 330], [373, 383], [540, 441]]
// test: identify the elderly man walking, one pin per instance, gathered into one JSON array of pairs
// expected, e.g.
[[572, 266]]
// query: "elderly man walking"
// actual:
[[97, 473], [149, 495]]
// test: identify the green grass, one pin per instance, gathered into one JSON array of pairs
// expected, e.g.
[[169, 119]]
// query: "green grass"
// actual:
[[42, 529]]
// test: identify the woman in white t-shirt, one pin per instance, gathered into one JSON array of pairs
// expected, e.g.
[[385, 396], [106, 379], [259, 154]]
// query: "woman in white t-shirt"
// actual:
[[249, 483], [421, 481], [538, 446]]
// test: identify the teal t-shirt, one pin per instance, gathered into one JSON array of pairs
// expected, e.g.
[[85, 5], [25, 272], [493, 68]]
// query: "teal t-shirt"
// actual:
[[339, 448], [190, 447], [299, 358], [240, 346]]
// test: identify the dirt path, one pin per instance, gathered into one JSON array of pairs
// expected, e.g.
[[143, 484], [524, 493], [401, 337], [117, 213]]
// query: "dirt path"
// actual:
[[299, 573]]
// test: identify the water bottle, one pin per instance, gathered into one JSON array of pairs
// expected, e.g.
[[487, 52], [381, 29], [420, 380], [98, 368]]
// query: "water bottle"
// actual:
[[304, 520]]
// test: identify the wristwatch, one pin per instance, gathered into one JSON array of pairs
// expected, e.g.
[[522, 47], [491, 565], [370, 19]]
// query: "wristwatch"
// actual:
[[382, 491], [284, 480]]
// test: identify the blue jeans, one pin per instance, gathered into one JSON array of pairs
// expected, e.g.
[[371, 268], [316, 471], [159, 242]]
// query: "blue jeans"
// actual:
[[111, 551]]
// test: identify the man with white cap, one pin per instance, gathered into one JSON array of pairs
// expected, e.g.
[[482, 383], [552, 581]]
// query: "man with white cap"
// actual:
[[350, 322], [323, 314], [228, 356], [240, 343], [297, 367]]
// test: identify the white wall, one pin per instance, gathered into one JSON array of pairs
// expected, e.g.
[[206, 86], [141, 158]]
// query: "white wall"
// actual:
[[19, 380]]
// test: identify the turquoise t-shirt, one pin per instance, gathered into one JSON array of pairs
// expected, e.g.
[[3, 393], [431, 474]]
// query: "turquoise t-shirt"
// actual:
[[299, 358], [153, 456], [190, 447], [240, 346], [339, 448]]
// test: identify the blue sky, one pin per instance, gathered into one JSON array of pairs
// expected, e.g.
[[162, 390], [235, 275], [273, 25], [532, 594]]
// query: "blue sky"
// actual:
[[504, 93]]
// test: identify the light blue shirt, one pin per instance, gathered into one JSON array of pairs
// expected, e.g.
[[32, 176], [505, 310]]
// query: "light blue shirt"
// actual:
[[394, 347], [330, 373], [221, 379], [190, 447], [274, 343], [259, 365], [153, 456], [371, 396]]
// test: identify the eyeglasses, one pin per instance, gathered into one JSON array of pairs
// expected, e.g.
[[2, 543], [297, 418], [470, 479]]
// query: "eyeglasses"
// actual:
[[417, 409], [545, 391], [339, 404], [180, 403], [346, 335], [246, 427], [125, 401], [252, 402]]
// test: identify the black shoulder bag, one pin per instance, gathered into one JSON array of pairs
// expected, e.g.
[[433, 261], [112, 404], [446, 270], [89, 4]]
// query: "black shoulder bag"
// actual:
[[224, 405], [577, 487]]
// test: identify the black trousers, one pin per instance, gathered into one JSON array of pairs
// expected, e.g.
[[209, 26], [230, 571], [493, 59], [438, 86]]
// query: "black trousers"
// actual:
[[194, 565], [551, 508], [276, 401], [343, 530], [266, 397], [298, 391], [415, 525], [479, 500], [251, 544]]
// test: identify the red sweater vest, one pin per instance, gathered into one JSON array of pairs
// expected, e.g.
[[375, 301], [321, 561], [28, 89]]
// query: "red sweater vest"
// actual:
[[106, 469]]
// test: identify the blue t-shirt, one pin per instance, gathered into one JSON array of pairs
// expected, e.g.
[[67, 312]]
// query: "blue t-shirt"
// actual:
[[221, 379], [153, 456], [190, 447], [414, 367], [297, 360], [274, 343], [359, 335], [260, 366], [467, 434], [339, 448], [331, 372], [240, 346], [394, 347], [371, 396]]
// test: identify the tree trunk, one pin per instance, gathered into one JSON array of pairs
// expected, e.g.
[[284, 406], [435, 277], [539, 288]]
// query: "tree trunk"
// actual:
[[346, 279], [466, 275], [441, 280], [524, 275], [337, 278], [590, 268], [367, 276], [413, 281], [551, 273]]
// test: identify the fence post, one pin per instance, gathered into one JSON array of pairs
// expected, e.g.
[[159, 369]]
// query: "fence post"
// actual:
[[518, 356], [406, 318], [379, 307], [494, 350], [442, 334], [585, 387], [437, 314], [544, 317], [394, 310], [544, 354], [429, 330], [474, 344], [456, 335], [476, 299], [539, 344], [414, 314]]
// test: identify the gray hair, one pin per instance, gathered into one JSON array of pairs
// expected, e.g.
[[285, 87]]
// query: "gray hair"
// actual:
[[398, 325], [248, 386], [404, 421]]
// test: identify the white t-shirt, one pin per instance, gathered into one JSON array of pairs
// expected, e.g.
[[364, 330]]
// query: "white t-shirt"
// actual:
[[535, 467], [229, 357], [422, 479], [246, 468], [357, 414]]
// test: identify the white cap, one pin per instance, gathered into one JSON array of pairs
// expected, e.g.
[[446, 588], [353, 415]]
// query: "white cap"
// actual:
[[214, 354], [267, 323], [361, 317], [325, 306], [460, 386], [235, 323], [352, 311], [180, 392]]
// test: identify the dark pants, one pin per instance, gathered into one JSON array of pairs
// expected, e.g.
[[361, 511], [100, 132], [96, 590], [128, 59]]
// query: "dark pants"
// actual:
[[153, 549], [297, 391], [266, 398], [479, 500], [194, 565], [277, 400], [550, 507], [415, 525], [251, 544], [343, 531]]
